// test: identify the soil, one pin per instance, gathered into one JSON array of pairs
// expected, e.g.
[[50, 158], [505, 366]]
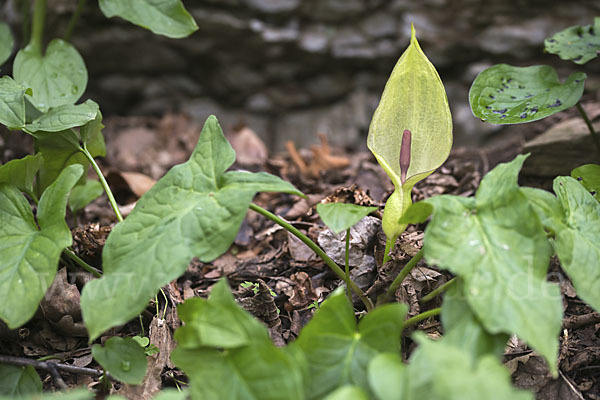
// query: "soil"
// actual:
[[266, 254]]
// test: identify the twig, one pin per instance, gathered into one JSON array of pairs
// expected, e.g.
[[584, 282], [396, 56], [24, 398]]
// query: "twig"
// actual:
[[577, 321], [571, 386], [56, 376], [49, 366], [434, 293]]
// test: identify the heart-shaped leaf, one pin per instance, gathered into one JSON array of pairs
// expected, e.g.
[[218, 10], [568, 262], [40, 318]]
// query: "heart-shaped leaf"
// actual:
[[504, 94], [411, 130], [163, 17], [18, 382], [337, 352], [227, 353], [589, 176], [12, 103], [498, 246], [29, 255], [339, 216], [123, 358], [21, 172], [195, 210], [6, 42], [577, 43], [56, 78]]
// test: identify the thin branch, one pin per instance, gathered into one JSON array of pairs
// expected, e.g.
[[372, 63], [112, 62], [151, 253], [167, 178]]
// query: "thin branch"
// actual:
[[436, 292], [420, 317], [48, 366], [589, 125]]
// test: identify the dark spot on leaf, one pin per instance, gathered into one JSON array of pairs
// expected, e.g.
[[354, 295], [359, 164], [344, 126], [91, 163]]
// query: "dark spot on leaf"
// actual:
[[488, 107], [505, 86], [528, 96], [534, 110], [503, 116], [577, 80], [551, 41], [499, 111], [577, 58], [513, 97], [593, 192], [579, 178], [492, 97], [524, 115], [557, 103], [509, 80], [547, 89], [521, 87]]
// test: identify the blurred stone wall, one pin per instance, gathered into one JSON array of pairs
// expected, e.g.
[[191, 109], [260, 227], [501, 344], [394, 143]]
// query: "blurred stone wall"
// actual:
[[292, 68]]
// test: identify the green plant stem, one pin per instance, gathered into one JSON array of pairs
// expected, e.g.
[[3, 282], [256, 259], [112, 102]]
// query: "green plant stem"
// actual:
[[111, 198], [389, 246], [73, 257], [589, 125], [403, 274], [420, 317], [37, 26], [73, 20], [436, 292], [25, 20], [347, 264], [314, 247]]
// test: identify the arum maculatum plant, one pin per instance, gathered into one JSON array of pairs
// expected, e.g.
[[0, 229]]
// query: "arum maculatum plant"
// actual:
[[411, 132]]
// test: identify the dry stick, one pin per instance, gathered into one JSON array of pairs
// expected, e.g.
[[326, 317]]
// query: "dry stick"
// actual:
[[434, 293], [314, 247], [589, 125], [48, 366]]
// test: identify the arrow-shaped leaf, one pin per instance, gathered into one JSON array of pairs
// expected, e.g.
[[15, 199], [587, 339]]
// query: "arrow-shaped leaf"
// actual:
[[195, 210], [579, 44], [498, 246], [28, 255]]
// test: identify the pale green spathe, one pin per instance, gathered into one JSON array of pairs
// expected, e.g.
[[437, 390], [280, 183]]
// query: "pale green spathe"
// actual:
[[414, 98]]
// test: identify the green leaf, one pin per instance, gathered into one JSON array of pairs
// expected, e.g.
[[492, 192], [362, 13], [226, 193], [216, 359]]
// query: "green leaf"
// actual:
[[387, 375], [347, 392], [227, 354], [464, 330], [58, 77], [163, 17], [84, 194], [61, 149], [546, 206], [578, 243], [579, 44], [123, 358], [73, 394], [6, 42], [28, 255], [64, 117], [589, 176], [18, 382], [498, 246], [337, 352], [218, 322], [438, 370], [339, 216], [171, 394], [504, 94], [195, 210], [258, 371], [142, 341], [21, 172], [413, 100], [417, 213], [12, 103]]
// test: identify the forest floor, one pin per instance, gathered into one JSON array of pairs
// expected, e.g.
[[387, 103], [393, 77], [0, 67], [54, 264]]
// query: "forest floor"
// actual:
[[140, 150]]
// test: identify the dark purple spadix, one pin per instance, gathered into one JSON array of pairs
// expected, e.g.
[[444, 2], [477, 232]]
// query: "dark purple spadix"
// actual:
[[404, 155]]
